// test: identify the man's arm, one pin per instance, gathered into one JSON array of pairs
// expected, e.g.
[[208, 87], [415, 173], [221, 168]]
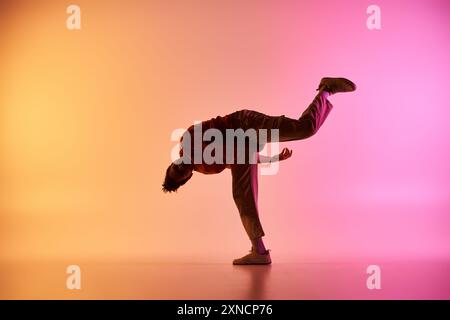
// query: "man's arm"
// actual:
[[285, 154]]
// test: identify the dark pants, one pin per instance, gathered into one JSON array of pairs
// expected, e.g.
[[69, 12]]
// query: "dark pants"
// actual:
[[245, 176]]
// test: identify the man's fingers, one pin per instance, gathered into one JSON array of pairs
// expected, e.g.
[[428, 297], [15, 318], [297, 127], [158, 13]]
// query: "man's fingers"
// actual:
[[289, 153], [285, 153]]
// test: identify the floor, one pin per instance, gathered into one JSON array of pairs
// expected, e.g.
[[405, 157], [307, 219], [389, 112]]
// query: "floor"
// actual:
[[141, 280]]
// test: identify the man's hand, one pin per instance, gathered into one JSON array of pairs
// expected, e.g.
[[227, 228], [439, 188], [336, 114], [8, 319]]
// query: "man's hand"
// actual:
[[285, 154]]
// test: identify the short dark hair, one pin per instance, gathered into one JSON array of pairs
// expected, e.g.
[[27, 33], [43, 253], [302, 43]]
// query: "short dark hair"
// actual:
[[170, 184]]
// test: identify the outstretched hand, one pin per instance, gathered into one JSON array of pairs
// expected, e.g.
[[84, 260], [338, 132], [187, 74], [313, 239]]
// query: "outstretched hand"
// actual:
[[285, 154]]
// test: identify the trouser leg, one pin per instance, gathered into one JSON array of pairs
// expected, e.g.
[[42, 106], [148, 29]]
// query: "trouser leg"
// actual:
[[309, 122], [289, 129], [245, 195]]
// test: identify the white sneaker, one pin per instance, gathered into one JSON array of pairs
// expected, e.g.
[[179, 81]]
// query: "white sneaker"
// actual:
[[254, 258]]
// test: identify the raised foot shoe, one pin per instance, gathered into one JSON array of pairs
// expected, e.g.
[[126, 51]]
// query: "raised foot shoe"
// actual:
[[254, 258], [335, 85]]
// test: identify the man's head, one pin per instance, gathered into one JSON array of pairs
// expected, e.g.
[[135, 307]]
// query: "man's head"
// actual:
[[177, 174]]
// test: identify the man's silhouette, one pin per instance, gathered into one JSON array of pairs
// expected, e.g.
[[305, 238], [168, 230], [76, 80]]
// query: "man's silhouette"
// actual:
[[245, 174]]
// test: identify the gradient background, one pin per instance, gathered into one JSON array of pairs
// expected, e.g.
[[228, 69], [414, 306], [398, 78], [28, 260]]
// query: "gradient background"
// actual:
[[86, 118]]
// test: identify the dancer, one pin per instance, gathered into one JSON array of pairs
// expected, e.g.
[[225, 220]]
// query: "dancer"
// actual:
[[244, 171]]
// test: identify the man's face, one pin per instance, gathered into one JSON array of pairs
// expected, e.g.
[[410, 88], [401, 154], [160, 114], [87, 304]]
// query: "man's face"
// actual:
[[179, 172]]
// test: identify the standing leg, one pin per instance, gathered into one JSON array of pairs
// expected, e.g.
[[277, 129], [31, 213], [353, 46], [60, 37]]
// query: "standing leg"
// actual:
[[245, 195]]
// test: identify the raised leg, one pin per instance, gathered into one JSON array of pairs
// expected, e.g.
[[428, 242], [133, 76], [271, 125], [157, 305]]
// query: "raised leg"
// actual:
[[289, 129]]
